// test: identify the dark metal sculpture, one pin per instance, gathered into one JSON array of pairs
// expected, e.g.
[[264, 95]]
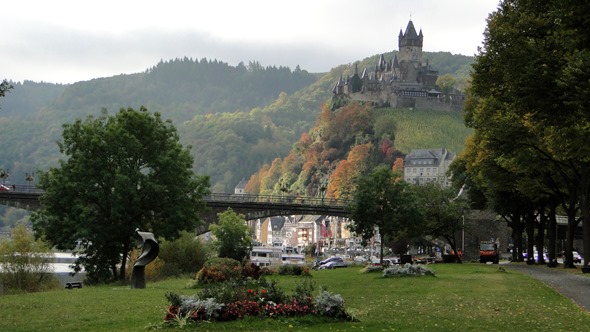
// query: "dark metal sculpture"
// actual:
[[149, 252]]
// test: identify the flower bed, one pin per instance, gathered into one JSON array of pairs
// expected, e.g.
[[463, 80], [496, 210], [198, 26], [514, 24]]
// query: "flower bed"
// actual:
[[237, 299], [407, 270]]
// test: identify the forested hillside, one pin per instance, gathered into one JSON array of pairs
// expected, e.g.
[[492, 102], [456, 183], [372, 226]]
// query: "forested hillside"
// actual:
[[236, 118], [352, 140]]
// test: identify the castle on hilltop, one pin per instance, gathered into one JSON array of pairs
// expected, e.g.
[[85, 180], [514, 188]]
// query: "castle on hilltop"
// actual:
[[404, 82]]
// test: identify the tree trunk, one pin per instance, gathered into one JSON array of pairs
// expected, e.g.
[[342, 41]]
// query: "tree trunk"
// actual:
[[540, 239], [126, 247], [552, 234], [572, 224], [382, 238], [453, 243], [530, 234], [517, 226], [585, 214]]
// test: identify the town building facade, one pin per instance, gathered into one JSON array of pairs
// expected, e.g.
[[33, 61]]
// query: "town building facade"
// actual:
[[423, 166]]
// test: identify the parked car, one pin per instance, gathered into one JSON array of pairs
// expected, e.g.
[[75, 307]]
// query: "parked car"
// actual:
[[332, 259], [545, 256], [333, 265], [577, 257], [391, 261]]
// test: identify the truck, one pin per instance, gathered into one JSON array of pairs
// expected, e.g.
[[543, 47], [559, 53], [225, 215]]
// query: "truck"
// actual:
[[488, 252]]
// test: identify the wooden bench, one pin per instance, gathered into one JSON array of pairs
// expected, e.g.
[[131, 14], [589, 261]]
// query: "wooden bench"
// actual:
[[71, 285]]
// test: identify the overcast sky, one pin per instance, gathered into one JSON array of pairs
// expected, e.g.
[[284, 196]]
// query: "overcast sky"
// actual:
[[65, 41]]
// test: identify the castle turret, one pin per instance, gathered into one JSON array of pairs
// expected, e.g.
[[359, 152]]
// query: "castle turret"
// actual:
[[410, 38], [410, 52]]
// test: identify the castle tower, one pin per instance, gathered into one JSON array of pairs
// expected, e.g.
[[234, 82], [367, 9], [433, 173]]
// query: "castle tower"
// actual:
[[410, 52]]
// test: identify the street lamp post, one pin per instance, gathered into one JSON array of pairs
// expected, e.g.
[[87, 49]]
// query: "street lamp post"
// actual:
[[29, 178]]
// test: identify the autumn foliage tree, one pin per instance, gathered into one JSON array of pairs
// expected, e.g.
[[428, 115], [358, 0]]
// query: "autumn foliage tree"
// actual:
[[341, 147]]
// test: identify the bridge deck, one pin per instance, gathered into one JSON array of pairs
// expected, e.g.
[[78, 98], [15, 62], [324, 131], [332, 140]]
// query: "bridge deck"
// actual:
[[252, 206]]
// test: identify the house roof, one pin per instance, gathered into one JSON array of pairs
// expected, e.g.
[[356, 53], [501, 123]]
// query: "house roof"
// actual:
[[428, 157], [277, 223], [242, 184]]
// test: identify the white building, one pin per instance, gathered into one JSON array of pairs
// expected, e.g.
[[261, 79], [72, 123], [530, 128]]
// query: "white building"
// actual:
[[428, 165], [240, 189]]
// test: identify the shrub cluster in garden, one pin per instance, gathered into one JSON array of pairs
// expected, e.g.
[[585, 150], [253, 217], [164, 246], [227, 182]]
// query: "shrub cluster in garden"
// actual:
[[235, 299], [224, 269], [407, 270], [183, 256], [372, 268], [293, 269], [218, 270]]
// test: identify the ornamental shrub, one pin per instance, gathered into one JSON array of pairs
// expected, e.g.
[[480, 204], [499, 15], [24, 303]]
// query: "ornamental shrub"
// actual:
[[372, 268], [303, 291], [183, 256], [218, 270], [331, 305], [25, 263], [407, 270], [293, 269]]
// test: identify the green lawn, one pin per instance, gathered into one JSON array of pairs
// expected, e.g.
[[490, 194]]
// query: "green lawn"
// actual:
[[468, 297]]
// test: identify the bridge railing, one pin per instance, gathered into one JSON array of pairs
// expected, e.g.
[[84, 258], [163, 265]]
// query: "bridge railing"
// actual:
[[303, 200], [24, 188], [223, 197]]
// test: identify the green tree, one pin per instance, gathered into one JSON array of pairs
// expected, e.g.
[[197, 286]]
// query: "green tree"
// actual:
[[122, 173], [446, 83], [529, 99], [4, 87], [24, 262], [232, 235], [443, 213], [385, 204]]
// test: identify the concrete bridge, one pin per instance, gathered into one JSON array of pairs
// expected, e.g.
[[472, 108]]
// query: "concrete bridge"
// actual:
[[251, 206]]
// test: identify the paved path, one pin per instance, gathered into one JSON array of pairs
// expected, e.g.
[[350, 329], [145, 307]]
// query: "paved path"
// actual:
[[573, 286]]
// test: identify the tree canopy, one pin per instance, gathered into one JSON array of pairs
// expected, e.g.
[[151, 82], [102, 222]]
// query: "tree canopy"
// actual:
[[121, 173], [443, 211], [385, 204], [232, 235], [4, 87], [530, 109]]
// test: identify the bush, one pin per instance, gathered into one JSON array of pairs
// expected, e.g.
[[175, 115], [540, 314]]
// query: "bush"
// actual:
[[372, 268], [293, 269], [218, 270], [330, 305], [303, 291], [407, 270], [251, 270], [25, 263], [183, 256]]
